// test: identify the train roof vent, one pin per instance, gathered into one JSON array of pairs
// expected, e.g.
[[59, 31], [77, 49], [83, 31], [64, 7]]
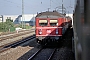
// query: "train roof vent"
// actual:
[[54, 11]]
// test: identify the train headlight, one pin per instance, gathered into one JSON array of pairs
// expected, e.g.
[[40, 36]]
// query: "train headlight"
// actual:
[[57, 31], [40, 31]]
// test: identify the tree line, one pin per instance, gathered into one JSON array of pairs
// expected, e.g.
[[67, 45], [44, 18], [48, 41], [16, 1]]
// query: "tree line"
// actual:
[[9, 26], [6, 26]]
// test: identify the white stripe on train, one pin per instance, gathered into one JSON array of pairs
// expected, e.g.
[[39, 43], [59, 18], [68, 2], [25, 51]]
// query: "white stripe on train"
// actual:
[[47, 27], [48, 35]]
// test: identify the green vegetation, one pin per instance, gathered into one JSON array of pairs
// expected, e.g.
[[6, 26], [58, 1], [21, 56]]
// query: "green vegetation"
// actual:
[[24, 26], [28, 27], [9, 26]]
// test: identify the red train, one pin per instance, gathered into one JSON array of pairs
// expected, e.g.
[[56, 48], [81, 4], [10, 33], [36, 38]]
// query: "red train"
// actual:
[[50, 26]]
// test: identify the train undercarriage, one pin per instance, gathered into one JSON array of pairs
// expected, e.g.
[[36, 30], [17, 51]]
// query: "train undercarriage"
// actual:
[[49, 39]]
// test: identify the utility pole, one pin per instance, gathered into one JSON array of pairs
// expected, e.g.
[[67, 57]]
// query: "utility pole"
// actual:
[[50, 4], [22, 13], [62, 6], [48, 9], [68, 13]]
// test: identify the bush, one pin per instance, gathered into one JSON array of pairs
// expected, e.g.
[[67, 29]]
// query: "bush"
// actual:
[[5, 26]]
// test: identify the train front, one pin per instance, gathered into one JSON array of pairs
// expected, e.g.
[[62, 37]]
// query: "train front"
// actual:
[[48, 27]]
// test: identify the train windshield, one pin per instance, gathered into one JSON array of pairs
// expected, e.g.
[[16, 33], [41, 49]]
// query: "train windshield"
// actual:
[[53, 22], [43, 22]]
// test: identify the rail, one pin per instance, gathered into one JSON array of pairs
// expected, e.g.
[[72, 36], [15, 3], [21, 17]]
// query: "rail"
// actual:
[[4, 48], [30, 58], [35, 54]]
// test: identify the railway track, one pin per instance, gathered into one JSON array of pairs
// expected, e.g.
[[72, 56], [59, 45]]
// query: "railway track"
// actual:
[[63, 53], [15, 35], [7, 47], [5, 40], [10, 38], [43, 54], [6, 33]]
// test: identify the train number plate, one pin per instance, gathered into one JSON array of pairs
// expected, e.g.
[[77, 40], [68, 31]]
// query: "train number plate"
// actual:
[[48, 31]]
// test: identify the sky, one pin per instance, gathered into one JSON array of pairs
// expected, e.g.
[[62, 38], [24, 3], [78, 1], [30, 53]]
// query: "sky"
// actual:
[[14, 7]]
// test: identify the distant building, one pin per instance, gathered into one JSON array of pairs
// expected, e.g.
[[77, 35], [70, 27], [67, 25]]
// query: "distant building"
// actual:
[[17, 19], [29, 18], [1, 18]]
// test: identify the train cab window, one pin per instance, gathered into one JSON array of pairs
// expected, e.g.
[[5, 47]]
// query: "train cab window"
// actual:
[[43, 22], [53, 22]]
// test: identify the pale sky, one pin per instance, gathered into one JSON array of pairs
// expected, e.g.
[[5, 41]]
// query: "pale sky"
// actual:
[[14, 7]]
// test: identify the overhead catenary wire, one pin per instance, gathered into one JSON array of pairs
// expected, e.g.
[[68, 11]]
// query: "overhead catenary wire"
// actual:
[[18, 5], [52, 2], [55, 2]]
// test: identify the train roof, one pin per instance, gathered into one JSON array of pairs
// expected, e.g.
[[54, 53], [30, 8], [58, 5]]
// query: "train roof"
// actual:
[[49, 14]]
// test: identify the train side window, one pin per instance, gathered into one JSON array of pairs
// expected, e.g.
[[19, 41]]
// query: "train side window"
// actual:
[[53, 22], [43, 22]]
